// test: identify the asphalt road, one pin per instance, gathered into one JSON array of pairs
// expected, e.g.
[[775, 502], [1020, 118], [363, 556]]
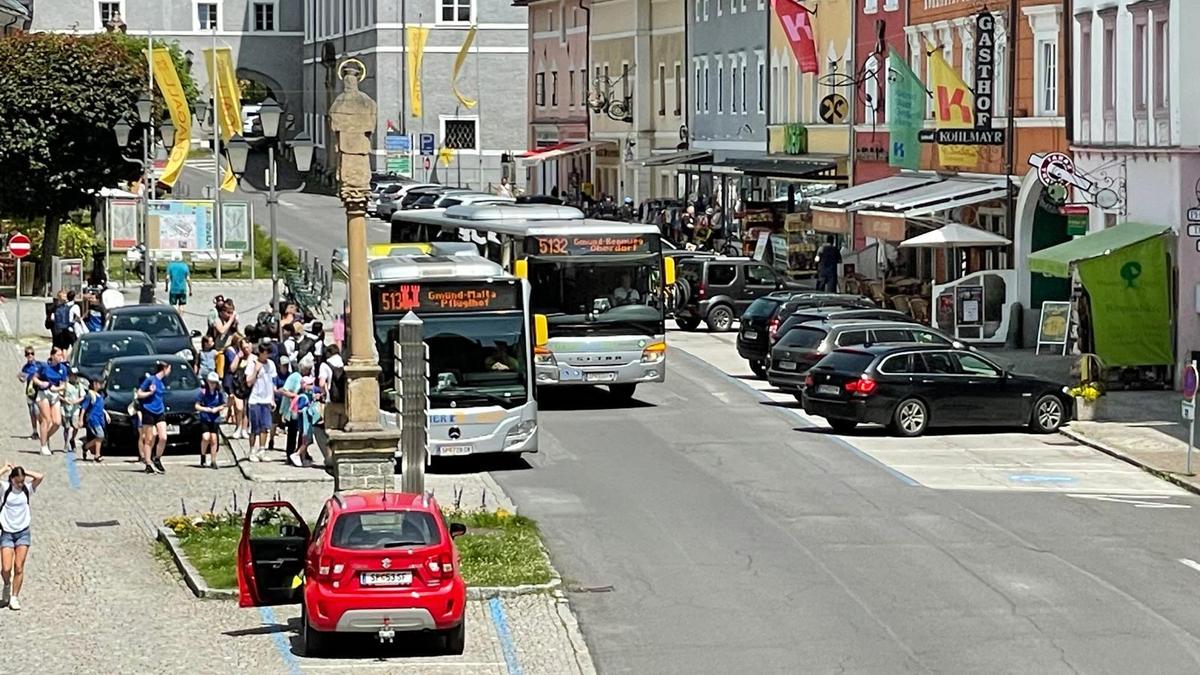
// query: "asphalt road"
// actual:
[[705, 531]]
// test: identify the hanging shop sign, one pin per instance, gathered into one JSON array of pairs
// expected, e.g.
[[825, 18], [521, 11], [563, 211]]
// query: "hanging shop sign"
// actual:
[[985, 68], [1077, 219], [950, 92]]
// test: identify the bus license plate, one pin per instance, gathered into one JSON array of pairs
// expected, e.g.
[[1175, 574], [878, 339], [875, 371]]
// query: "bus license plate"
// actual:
[[600, 377], [386, 578], [455, 450], [828, 389]]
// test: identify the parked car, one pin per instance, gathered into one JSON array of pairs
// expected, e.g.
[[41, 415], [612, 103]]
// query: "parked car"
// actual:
[[161, 323], [378, 563], [380, 185], [425, 195], [912, 388], [95, 350], [719, 289], [467, 197], [803, 316], [804, 345], [389, 199], [759, 324], [122, 376]]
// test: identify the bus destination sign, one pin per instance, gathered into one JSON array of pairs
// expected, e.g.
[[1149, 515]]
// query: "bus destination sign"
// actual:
[[594, 244], [427, 298]]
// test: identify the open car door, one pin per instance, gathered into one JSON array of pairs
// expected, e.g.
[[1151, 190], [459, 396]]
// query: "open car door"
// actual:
[[271, 555]]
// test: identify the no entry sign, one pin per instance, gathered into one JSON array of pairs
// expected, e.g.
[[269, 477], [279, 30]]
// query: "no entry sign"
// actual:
[[18, 245]]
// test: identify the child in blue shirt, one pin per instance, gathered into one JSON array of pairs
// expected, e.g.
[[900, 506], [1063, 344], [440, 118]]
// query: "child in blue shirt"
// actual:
[[210, 405], [95, 418]]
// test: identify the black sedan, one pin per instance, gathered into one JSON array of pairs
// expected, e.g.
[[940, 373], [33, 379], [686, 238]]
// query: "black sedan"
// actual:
[[123, 375], [94, 350], [760, 324], [161, 323], [910, 388]]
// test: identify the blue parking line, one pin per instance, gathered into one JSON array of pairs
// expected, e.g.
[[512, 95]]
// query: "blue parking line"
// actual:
[[506, 640], [279, 637], [72, 471]]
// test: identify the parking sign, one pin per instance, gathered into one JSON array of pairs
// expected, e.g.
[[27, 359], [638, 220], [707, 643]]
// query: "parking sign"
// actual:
[[428, 145]]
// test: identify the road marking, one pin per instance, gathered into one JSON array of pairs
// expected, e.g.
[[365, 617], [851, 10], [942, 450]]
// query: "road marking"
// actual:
[[1138, 501], [72, 471], [1190, 563], [390, 664], [496, 608], [279, 638]]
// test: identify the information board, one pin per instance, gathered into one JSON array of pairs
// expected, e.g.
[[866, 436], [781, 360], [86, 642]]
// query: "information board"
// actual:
[[1054, 327]]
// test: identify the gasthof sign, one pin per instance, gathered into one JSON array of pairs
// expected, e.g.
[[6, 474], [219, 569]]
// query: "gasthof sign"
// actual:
[[985, 67]]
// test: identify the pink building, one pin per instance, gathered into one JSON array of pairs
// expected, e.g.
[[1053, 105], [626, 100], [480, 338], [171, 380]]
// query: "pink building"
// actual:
[[558, 87]]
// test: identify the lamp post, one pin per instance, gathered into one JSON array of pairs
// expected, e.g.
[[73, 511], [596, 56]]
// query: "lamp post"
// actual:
[[302, 153], [123, 131]]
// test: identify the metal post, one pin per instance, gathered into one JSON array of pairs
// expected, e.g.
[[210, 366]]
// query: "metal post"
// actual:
[[412, 369], [273, 204], [147, 291], [17, 329], [218, 221], [1192, 422]]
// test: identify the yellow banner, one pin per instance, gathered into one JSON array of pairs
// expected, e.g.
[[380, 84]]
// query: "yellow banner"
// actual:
[[228, 103], [467, 103], [177, 105], [416, 54], [953, 108]]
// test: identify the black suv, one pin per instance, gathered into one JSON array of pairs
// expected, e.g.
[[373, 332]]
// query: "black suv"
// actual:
[[804, 345], [760, 323], [719, 289]]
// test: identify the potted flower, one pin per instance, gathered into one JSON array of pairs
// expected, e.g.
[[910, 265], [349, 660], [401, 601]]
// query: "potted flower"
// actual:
[[1087, 395]]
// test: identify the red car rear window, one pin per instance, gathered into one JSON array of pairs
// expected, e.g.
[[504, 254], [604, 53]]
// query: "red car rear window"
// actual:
[[385, 529]]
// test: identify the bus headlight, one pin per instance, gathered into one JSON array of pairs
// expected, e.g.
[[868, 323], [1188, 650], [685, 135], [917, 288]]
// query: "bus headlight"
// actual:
[[654, 353], [543, 357], [520, 433]]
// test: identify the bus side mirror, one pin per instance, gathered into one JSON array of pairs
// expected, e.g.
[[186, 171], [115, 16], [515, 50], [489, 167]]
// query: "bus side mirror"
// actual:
[[521, 269], [541, 330], [669, 271]]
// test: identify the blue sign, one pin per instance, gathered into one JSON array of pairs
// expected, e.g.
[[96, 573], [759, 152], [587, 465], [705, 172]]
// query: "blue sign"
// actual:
[[397, 142], [428, 145]]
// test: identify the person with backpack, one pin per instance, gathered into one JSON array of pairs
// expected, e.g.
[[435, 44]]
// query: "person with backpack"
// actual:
[[25, 377], [331, 376], [50, 382], [15, 521], [62, 334]]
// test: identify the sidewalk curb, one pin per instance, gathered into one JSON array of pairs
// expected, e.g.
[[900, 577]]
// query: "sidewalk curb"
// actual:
[[1117, 454], [191, 576]]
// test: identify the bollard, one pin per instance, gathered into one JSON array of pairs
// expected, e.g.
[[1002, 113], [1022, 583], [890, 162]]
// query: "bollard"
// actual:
[[412, 386]]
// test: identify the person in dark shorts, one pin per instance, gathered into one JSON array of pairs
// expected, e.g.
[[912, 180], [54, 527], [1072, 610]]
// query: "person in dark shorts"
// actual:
[[154, 425], [179, 283], [210, 406], [95, 419]]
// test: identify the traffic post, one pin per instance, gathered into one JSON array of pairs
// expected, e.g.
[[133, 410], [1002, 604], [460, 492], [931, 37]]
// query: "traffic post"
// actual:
[[1189, 408], [19, 247]]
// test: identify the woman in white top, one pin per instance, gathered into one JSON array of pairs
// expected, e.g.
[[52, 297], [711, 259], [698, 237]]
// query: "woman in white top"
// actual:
[[15, 519]]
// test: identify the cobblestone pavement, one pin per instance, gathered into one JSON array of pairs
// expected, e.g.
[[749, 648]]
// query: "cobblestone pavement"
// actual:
[[97, 600]]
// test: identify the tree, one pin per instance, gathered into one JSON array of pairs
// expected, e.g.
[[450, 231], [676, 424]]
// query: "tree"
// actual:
[[60, 96]]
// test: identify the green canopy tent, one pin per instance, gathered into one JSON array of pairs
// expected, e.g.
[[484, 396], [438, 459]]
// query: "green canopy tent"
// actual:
[[1127, 276]]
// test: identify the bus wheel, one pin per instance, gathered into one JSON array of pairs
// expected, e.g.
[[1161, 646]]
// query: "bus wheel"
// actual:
[[622, 392]]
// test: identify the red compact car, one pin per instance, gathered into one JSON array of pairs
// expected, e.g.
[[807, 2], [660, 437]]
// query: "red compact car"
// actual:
[[375, 562]]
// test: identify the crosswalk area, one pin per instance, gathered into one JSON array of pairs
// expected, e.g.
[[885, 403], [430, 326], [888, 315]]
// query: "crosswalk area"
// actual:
[[990, 460]]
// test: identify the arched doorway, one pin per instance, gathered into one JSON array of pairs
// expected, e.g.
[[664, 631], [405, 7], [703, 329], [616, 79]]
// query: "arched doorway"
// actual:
[[1040, 225]]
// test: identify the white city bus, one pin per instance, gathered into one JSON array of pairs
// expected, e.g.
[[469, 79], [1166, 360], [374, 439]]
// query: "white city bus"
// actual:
[[599, 283], [477, 327]]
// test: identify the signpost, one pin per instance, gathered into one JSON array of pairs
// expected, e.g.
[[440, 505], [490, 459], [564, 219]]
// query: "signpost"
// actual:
[[19, 247], [428, 145], [1189, 408], [1055, 326]]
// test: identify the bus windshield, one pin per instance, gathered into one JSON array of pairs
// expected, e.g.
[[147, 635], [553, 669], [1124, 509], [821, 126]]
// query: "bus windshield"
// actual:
[[597, 295], [474, 359]]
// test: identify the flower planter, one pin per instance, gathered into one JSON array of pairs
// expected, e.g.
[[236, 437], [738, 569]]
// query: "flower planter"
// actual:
[[1085, 410]]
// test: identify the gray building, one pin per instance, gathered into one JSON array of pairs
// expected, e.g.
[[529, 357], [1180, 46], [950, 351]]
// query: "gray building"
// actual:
[[494, 74], [265, 35]]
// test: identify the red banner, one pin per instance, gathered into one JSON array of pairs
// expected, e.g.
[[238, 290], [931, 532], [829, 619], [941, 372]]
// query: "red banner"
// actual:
[[797, 25]]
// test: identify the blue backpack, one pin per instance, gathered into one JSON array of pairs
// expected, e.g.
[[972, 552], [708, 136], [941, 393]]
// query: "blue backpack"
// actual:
[[62, 316]]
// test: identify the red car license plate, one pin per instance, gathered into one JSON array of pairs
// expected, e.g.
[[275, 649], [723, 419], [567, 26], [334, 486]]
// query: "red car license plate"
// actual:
[[385, 578]]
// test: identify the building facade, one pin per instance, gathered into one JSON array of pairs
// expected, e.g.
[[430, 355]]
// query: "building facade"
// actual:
[[727, 58], [265, 35], [494, 75], [1137, 129], [879, 27]]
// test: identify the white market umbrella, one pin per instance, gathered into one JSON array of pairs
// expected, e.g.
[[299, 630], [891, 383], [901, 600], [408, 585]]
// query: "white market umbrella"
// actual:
[[955, 235], [117, 193]]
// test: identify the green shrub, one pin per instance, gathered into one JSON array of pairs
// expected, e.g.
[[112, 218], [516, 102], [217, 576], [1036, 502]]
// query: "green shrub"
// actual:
[[288, 260]]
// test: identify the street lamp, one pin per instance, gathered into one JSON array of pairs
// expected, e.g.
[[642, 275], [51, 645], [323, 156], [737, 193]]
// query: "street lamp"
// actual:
[[123, 133], [144, 107], [201, 111], [301, 148]]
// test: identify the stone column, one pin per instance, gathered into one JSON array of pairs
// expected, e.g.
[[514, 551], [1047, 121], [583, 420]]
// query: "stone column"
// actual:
[[362, 452]]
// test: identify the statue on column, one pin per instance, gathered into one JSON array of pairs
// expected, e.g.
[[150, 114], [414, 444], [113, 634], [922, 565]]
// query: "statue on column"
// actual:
[[353, 117]]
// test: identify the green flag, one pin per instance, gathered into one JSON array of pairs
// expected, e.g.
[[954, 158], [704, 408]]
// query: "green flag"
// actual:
[[905, 113], [1131, 304]]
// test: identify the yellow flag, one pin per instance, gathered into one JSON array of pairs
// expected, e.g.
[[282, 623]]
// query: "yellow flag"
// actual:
[[953, 108], [416, 54], [228, 110], [467, 103], [177, 105], [445, 155]]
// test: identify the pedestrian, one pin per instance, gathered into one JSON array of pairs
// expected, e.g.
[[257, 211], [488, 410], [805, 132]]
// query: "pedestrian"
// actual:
[[50, 382], [73, 394], [215, 313], [828, 259], [240, 387], [307, 413], [210, 403], [687, 224], [15, 521], [178, 283], [206, 362], [60, 321], [331, 375], [504, 190], [154, 425], [96, 419], [289, 392], [25, 377], [260, 376]]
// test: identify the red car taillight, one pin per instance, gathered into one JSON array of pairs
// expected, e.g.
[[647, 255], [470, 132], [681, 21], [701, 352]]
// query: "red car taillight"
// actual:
[[808, 380], [440, 567], [701, 291], [863, 386], [327, 569]]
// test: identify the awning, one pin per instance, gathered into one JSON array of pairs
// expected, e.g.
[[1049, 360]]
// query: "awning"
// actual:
[[848, 197], [554, 151], [672, 158], [782, 168], [1056, 261], [939, 196], [955, 235]]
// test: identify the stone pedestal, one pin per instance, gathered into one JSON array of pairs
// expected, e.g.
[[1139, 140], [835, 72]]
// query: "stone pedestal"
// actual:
[[362, 460], [362, 396]]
